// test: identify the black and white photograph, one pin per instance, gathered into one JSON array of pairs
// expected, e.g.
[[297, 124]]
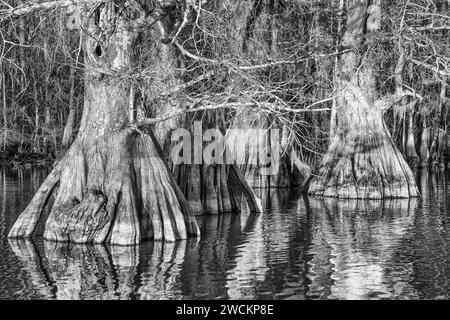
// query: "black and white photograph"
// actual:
[[235, 152]]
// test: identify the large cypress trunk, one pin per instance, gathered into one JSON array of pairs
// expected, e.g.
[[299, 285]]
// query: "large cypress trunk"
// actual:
[[362, 161], [209, 188], [112, 185], [256, 37]]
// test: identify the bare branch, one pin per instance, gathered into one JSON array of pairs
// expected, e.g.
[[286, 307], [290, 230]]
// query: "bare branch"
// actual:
[[431, 28], [28, 8], [260, 106], [430, 67]]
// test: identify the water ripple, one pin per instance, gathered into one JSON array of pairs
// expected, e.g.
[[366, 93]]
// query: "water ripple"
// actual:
[[299, 248]]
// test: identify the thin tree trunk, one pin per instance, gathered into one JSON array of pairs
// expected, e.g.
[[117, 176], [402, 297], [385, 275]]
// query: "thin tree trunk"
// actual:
[[36, 144], [404, 131], [436, 149], [425, 140], [70, 122], [411, 153], [46, 98], [408, 147], [5, 114], [47, 118]]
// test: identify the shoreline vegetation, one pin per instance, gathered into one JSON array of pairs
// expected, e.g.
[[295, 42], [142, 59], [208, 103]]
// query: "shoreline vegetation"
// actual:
[[16, 158], [26, 160], [19, 159]]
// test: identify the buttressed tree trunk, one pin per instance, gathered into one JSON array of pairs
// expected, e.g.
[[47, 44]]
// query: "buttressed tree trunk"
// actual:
[[362, 161], [166, 60], [112, 185], [209, 188], [256, 36]]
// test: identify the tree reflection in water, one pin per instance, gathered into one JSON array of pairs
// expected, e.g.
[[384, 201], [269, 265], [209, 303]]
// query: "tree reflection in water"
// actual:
[[39, 279], [160, 269], [97, 272], [428, 248], [352, 247], [299, 248]]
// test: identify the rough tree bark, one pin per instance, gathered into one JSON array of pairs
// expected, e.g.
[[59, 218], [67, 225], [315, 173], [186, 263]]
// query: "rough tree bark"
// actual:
[[362, 161], [256, 37], [209, 188], [112, 185]]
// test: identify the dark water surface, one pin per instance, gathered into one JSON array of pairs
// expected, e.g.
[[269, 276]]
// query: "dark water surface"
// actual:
[[299, 248]]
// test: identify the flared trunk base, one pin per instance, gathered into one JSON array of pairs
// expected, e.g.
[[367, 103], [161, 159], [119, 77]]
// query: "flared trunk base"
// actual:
[[113, 189], [364, 167]]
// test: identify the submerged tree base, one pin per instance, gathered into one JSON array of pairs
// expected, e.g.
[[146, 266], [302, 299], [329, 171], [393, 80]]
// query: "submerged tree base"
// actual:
[[365, 166], [113, 189]]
